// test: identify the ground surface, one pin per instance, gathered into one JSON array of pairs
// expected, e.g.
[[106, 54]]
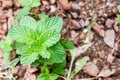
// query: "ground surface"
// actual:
[[104, 63]]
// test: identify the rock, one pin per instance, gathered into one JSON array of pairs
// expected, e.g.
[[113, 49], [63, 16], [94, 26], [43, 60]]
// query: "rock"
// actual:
[[52, 9], [7, 3], [109, 38], [82, 36], [109, 23], [64, 4], [116, 28], [16, 69], [108, 79], [30, 77], [32, 70], [45, 3], [110, 58], [74, 35], [3, 18], [75, 6], [100, 13], [101, 54], [74, 25], [10, 22], [106, 72], [102, 33], [5, 28], [16, 2], [19, 71], [99, 29], [91, 69], [74, 14], [82, 22], [52, 1]]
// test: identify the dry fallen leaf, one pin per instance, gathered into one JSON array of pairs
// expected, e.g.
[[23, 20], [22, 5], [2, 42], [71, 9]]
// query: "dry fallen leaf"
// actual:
[[74, 25], [52, 1], [99, 29], [110, 58], [106, 73], [73, 35], [109, 23], [101, 54], [16, 2], [109, 38], [64, 4], [31, 70], [3, 17], [7, 3], [91, 69]]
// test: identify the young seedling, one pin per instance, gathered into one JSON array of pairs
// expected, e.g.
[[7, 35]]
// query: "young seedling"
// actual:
[[28, 4], [7, 46], [80, 63]]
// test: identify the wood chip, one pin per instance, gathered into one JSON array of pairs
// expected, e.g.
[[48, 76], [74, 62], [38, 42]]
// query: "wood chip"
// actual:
[[91, 69], [109, 38], [109, 23], [64, 4]]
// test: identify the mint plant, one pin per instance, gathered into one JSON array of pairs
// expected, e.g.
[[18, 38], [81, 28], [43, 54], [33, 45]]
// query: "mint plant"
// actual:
[[28, 4], [38, 43], [54, 74], [38, 40]]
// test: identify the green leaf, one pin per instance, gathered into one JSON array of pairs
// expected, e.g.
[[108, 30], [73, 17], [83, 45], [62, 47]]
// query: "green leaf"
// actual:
[[1, 44], [45, 53], [48, 38], [53, 76], [45, 69], [118, 17], [6, 58], [28, 57], [79, 65], [23, 12], [26, 2], [59, 68], [42, 16], [29, 22], [14, 62], [68, 45], [22, 34], [57, 54], [8, 40], [20, 50], [7, 49], [30, 3], [37, 47], [54, 23], [47, 76], [35, 3], [36, 63], [20, 47]]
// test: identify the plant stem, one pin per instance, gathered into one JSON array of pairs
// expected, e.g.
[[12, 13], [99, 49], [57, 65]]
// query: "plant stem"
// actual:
[[87, 40], [69, 72]]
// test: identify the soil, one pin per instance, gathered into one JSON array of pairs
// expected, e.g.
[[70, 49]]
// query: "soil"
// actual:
[[104, 58]]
